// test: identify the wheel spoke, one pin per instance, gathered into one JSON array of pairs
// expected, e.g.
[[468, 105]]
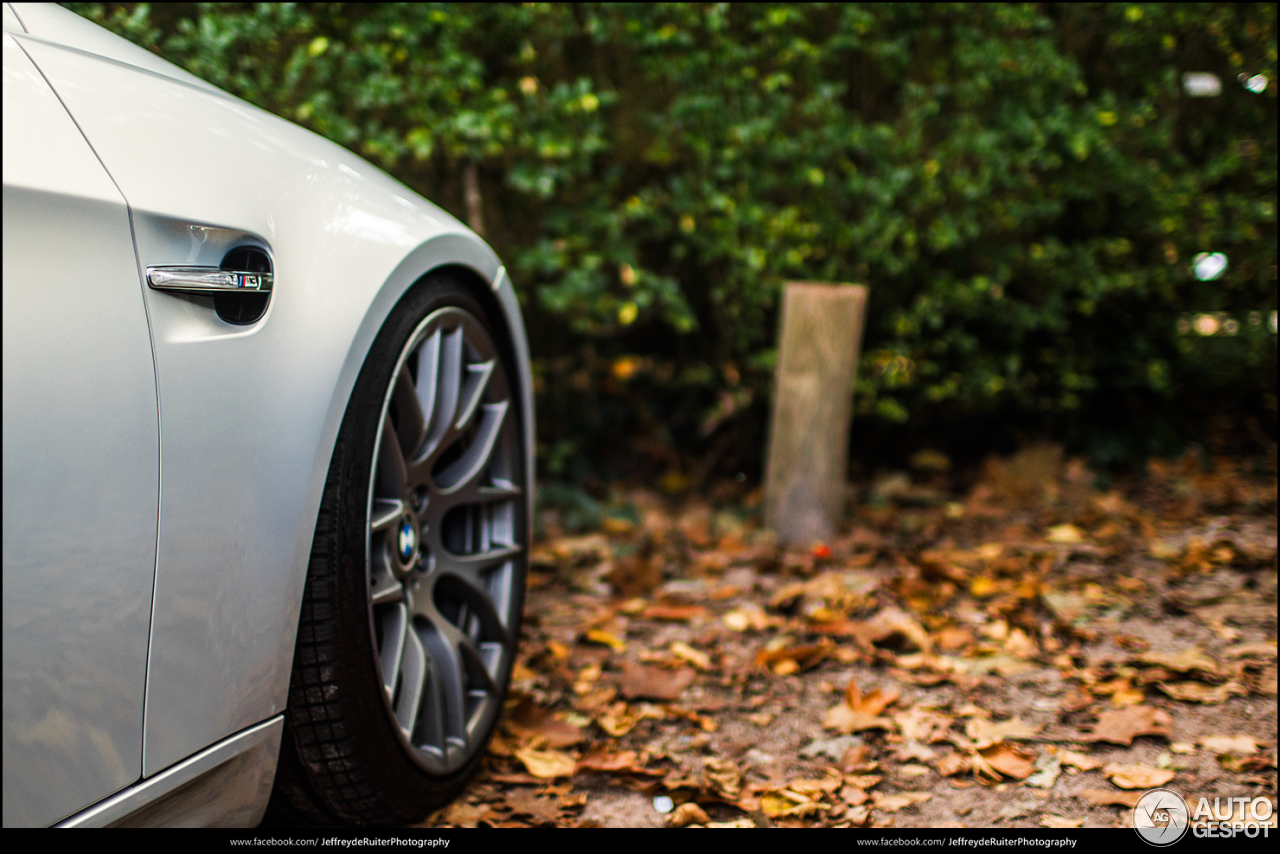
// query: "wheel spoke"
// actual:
[[386, 512], [412, 427], [428, 375], [413, 677], [464, 471], [385, 588], [392, 475], [477, 381], [447, 388], [395, 622]]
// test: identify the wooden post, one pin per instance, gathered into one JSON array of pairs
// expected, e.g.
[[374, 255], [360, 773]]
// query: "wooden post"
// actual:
[[820, 335]]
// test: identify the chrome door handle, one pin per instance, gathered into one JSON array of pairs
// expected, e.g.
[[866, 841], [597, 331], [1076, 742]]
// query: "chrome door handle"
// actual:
[[204, 280]]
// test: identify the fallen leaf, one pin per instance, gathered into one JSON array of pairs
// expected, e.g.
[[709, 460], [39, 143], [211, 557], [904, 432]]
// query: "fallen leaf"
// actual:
[[528, 721], [986, 733], [749, 616], [619, 719], [1079, 760], [1058, 822], [1064, 534], [893, 803], [602, 637], [1048, 768], [1243, 744], [547, 764], [723, 778], [892, 624], [1261, 649], [1138, 776], [673, 613], [1104, 797], [697, 658], [687, 814], [525, 802], [875, 701], [461, 814], [1121, 726], [791, 659], [843, 719], [785, 802], [640, 681], [924, 725], [1195, 692], [853, 796], [1009, 760], [1191, 660]]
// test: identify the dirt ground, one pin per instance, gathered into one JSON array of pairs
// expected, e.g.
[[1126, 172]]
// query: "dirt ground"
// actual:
[[1028, 652]]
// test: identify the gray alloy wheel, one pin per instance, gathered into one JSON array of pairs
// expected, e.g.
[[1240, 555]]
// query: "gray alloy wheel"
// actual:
[[411, 612], [442, 543]]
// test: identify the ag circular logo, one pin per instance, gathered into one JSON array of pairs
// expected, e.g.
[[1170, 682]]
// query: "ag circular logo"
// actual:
[[1161, 817]]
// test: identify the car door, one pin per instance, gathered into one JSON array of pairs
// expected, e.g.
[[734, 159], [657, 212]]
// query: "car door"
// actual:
[[81, 464]]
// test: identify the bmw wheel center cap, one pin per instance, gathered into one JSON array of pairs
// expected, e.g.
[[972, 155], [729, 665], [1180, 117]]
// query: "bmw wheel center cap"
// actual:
[[408, 540]]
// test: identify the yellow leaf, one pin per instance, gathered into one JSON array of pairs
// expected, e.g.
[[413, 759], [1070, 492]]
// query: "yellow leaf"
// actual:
[[1065, 534], [603, 637], [1138, 776], [547, 763]]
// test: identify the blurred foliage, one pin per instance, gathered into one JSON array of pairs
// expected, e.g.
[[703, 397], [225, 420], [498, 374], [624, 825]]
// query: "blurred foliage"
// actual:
[[1024, 188]]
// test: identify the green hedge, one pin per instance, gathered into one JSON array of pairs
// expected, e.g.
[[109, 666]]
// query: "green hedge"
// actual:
[[1024, 188]]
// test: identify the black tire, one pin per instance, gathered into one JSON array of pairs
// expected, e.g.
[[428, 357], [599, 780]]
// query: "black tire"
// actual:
[[375, 734]]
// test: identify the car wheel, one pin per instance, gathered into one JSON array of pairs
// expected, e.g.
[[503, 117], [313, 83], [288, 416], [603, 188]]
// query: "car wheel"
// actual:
[[416, 583]]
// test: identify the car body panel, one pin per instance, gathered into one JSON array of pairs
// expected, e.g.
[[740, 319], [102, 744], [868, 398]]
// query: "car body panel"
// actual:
[[254, 399], [248, 414], [80, 493]]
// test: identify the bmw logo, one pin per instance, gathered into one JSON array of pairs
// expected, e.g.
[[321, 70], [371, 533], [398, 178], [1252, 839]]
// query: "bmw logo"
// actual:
[[408, 540]]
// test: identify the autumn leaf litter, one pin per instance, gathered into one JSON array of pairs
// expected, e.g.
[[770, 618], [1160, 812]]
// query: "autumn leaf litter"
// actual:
[[1031, 653]]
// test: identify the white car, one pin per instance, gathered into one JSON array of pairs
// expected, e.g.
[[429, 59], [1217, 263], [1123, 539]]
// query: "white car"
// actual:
[[268, 446]]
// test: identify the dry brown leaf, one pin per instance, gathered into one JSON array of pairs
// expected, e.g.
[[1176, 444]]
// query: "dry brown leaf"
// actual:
[[1121, 726], [791, 659], [1191, 660], [1058, 822], [619, 718], [723, 778], [986, 733], [461, 814], [1138, 776], [749, 616], [1195, 692], [528, 721], [893, 803], [843, 719], [687, 814], [853, 796], [1079, 760], [1064, 534], [524, 802], [784, 802], [600, 636], [1105, 797], [1242, 744], [640, 681], [547, 764], [889, 625], [1261, 649], [696, 657], [924, 725], [673, 613], [874, 702], [1009, 760], [952, 764]]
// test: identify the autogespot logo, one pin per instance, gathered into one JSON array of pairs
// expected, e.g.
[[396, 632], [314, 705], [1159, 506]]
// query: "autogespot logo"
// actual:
[[1161, 817]]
